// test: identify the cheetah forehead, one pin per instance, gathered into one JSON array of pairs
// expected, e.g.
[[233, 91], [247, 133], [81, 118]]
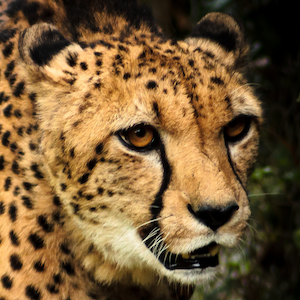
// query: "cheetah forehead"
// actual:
[[164, 77]]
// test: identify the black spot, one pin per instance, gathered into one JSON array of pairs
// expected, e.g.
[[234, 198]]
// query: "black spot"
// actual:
[[2, 161], [7, 110], [19, 89], [56, 216], [36, 241], [57, 279], [52, 289], [32, 96], [39, 266], [72, 59], [15, 167], [83, 66], [110, 193], [217, 80], [2, 208], [7, 184], [228, 101], [56, 201], [97, 84], [15, 262], [29, 129], [84, 178], [16, 191], [42, 221], [155, 108], [32, 146], [18, 113], [6, 282], [3, 97], [27, 202], [122, 48], [75, 207], [100, 191], [32, 293], [103, 207], [99, 148], [37, 173], [13, 147], [5, 137], [12, 212], [7, 34], [198, 49], [12, 79], [191, 63], [20, 131], [126, 76], [52, 42], [89, 197], [72, 154], [14, 238], [151, 85], [91, 164], [99, 63], [63, 187], [68, 268], [7, 51], [9, 68], [65, 249]]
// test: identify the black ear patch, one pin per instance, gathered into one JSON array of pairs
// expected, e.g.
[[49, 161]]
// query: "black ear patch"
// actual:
[[222, 29], [51, 43], [42, 42]]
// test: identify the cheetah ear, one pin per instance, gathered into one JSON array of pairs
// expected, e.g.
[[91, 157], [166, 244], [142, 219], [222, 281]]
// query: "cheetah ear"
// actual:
[[224, 31], [43, 50]]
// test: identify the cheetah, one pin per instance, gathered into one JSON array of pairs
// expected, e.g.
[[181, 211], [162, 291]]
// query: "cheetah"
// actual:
[[124, 155]]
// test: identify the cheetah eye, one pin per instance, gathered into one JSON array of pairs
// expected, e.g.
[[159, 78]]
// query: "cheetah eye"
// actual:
[[140, 137], [237, 129]]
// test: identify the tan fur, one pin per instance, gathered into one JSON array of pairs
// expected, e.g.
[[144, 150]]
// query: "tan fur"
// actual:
[[89, 234]]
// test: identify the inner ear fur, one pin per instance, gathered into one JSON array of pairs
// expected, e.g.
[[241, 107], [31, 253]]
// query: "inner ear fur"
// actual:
[[42, 49], [224, 31]]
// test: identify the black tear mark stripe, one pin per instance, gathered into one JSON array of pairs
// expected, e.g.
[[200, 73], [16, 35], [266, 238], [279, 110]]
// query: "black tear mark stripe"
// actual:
[[157, 205], [233, 169]]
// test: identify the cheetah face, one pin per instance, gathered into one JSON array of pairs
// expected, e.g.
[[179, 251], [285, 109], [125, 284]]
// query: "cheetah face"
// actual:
[[149, 144]]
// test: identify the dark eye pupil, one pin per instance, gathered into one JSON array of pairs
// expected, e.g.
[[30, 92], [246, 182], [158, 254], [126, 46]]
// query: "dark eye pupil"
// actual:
[[233, 123], [140, 132]]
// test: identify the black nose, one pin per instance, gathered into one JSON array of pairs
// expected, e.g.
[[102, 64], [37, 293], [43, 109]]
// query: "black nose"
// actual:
[[214, 217]]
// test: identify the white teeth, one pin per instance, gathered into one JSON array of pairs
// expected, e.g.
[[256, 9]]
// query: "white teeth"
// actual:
[[214, 250]]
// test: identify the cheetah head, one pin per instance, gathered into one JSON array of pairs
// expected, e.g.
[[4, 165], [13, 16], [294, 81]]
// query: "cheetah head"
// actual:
[[148, 143]]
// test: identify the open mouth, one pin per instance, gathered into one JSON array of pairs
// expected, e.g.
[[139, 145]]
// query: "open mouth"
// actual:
[[198, 259]]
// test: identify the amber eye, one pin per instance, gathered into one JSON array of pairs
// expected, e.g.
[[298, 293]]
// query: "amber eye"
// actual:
[[237, 129], [140, 137]]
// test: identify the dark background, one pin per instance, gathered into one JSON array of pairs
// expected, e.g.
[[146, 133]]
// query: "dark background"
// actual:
[[267, 264]]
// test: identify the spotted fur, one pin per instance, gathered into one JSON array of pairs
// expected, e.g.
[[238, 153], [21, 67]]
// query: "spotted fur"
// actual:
[[78, 205]]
